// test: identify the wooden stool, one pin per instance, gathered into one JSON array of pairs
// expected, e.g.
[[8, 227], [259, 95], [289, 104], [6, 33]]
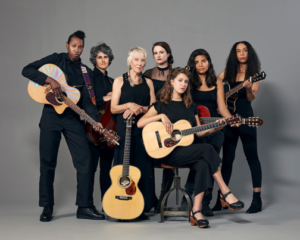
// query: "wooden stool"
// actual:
[[175, 212]]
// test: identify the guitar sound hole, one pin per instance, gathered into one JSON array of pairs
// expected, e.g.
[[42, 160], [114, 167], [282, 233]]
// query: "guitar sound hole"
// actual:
[[125, 181], [63, 98], [176, 135]]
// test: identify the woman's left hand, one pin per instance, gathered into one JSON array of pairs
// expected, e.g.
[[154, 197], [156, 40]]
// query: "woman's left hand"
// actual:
[[97, 127], [222, 120], [247, 84], [128, 114]]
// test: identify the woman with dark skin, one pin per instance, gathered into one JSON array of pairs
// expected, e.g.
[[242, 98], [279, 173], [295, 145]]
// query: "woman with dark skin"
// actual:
[[202, 158], [242, 63], [206, 91], [101, 57], [163, 57], [132, 95]]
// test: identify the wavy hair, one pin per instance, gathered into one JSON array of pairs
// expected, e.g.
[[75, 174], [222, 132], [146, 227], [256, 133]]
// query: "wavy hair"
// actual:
[[232, 64], [166, 93], [101, 47], [210, 79], [168, 50]]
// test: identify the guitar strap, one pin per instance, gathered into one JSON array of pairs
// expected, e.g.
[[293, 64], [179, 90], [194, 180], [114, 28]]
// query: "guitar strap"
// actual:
[[88, 83]]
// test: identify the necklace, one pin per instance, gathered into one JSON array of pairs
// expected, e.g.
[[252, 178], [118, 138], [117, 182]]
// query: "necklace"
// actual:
[[242, 69]]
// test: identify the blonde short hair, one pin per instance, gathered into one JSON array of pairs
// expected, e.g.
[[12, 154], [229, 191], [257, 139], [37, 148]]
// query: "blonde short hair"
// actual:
[[133, 51]]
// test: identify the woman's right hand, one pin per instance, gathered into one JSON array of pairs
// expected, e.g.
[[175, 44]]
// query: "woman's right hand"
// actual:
[[137, 109], [128, 114], [55, 87], [166, 121]]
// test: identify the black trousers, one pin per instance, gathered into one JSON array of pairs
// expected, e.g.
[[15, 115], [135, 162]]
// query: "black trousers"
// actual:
[[216, 140], [106, 156], [51, 126], [140, 159]]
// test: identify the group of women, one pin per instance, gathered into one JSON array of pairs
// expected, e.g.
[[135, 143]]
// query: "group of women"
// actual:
[[162, 93], [168, 95]]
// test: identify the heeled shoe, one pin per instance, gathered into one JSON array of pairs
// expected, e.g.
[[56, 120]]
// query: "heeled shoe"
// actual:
[[201, 223], [233, 206], [218, 205], [256, 206]]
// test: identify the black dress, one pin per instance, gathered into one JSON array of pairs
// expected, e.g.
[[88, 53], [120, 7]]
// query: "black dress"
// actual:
[[139, 94], [201, 158], [248, 137], [102, 85], [68, 123]]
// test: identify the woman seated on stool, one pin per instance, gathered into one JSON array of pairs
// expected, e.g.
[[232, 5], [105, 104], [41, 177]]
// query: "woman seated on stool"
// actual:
[[176, 104]]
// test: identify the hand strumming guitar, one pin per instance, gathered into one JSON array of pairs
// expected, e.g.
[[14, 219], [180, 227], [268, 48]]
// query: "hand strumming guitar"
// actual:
[[166, 121], [55, 87]]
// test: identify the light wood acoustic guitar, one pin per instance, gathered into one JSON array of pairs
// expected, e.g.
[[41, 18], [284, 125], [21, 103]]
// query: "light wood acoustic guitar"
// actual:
[[205, 117], [124, 200], [158, 143], [230, 94], [45, 95]]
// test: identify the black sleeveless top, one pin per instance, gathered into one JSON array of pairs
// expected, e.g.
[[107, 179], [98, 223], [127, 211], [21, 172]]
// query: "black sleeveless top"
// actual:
[[139, 94], [207, 99]]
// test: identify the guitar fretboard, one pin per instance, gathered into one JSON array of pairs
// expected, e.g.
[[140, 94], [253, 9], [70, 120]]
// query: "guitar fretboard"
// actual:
[[126, 157], [234, 90], [202, 128]]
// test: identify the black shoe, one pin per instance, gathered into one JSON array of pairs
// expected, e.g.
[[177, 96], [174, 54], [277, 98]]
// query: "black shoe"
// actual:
[[89, 213], [201, 223], [218, 205], [167, 181], [142, 217], [206, 211], [46, 215], [256, 204], [232, 206]]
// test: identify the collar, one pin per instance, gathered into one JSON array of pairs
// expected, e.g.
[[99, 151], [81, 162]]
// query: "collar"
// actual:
[[98, 72], [69, 59], [161, 71]]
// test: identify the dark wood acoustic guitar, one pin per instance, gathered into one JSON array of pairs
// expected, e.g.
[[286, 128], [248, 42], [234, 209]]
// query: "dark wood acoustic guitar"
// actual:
[[230, 94]]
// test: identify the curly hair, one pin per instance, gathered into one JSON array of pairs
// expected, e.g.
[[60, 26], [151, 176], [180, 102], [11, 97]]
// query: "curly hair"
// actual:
[[101, 47], [210, 79], [79, 34], [232, 64], [166, 93], [168, 50]]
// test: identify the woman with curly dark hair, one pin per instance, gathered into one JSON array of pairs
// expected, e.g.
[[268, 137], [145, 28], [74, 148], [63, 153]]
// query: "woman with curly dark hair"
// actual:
[[242, 63], [162, 54], [101, 57], [176, 104], [208, 92]]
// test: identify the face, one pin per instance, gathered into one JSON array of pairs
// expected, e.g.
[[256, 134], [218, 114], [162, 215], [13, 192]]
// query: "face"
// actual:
[[138, 62], [102, 61], [242, 53], [160, 55], [202, 64], [180, 83], [75, 48]]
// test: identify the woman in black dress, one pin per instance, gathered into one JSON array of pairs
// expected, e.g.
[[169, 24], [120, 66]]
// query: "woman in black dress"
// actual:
[[132, 95], [162, 54], [242, 63], [208, 92], [101, 57], [176, 104]]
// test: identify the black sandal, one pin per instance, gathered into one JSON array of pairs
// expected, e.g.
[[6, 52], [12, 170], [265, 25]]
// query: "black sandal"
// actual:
[[233, 206], [202, 223]]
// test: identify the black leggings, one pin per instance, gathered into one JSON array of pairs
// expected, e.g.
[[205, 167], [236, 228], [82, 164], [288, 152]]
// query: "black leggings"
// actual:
[[248, 137]]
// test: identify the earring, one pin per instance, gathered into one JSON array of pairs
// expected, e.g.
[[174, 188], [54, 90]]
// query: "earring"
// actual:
[[171, 89]]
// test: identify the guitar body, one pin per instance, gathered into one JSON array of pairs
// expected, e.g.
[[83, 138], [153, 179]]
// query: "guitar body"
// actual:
[[158, 143], [43, 94], [231, 100], [107, 121], [123, 202]]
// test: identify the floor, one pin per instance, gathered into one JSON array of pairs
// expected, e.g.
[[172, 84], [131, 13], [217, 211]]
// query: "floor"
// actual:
[[276, 221]]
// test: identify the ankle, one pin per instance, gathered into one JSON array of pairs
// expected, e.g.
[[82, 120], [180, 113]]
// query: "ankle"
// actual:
[[256, 195]]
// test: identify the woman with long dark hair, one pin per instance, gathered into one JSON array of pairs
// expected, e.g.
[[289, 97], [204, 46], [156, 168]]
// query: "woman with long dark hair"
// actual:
[[132, 95], [162, 54], [208, 92], [176, 104], [242, 63]]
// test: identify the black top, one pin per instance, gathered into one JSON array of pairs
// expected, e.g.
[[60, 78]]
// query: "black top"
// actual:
[[176, 111], [74, 77], [102, 86], [207, 99], [158, 76], [242, 104], [139, 94]]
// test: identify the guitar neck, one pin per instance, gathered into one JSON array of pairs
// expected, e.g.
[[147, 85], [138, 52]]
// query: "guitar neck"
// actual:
[[126, 156], [234, 90], [80, 112], [202, 128]]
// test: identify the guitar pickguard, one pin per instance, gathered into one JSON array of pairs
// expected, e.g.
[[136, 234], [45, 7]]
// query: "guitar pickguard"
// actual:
[[51, 99], [132, 189], [169, 142]]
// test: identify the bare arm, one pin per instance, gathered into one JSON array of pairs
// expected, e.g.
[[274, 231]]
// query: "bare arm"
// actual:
[[251, 90], [221, 76], [207, 132], [152, 94]]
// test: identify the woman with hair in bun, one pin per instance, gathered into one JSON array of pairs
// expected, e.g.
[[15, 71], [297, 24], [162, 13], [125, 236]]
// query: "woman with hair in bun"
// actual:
[[162, 54], [101, 57], [132, 95]]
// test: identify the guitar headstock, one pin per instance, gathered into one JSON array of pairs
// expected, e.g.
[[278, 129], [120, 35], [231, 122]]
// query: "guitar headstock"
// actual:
[[259, 77], [253, 121], [234, 119], [111, 137], [129, 121]]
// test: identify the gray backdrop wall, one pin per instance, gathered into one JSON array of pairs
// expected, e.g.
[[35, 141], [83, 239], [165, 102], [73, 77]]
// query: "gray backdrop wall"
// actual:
[[33, 29]]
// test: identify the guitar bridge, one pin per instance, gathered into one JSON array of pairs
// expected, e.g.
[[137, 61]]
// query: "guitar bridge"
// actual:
[[125, 198]]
